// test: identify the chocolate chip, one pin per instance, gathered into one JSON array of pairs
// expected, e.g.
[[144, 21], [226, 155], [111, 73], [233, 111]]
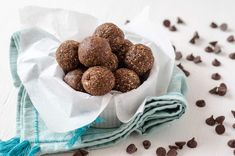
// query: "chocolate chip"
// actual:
[[222, 89], [127, 21], [172, 152], [216, 63], [223, 27], [213, 43], [233, 113], [179, 20], [190, 57], [197, 59], [131, 149], [216, 76], [80, 152], [231, 143], [192, 41], [231, 38], [220, 129], [192, 143], [182, 68], [161, 151], [200, 103], [173, 147], [233, 126], [232, 56], [209, 49], [180, 144], [173, 28], [214, 90], [146, 144], [210, 121], [213, 25], [178, 55], [174, 47], [194, 38], [167, 23], [217, 49], [220, 119]]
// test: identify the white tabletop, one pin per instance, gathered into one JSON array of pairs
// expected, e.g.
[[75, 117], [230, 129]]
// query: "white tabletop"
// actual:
[[197, 15]]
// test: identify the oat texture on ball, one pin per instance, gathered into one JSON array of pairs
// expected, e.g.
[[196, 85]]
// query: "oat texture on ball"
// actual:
[[126, 80], [67, 55], [98, 80], [139, 58], [111, 32]]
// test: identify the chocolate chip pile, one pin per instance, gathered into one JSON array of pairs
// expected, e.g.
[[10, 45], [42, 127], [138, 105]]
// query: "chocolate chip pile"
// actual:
[[220, 89], [104, 61], [161, 151]]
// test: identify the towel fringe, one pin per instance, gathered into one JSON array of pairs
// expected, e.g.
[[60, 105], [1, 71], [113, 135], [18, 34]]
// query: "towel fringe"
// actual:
[[80, 131], [14, 147]]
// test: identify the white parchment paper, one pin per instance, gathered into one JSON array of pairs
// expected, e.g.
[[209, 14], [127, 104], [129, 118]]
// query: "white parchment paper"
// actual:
[[62, 108]]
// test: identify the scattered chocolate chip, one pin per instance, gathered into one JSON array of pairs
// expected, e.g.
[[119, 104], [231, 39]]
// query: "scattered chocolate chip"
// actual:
[[190, 57], [192, 41], [192, 143], [194, 38], [216, 76], [131, 149], [161, 151], [200, 103], [231, 143], [173, 147], [233, 112], [127, 21], [232, 56], [197, 59], [182, 68], [220, 119], [167, 23], [217, 49], [223, 27], [220, 129], [172, 152], [209, 49], [180, 144], [213, 43], [173, 28], [216, 63], [178, 55], [231, 38], [222, 89], [81, 152], [233, 126], [146, 144], [210, 121], [214, 90], [213, 25], [179, 20]]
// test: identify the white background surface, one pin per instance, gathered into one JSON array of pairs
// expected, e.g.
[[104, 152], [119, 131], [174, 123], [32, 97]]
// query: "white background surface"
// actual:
[[197, 14]]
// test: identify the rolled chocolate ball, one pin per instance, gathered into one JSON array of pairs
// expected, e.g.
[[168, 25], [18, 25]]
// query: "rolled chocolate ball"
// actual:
[[111, 32], [111, 63], [98, 80], [74, 79], [122, 48], [139, 58], [67, 55], [126, 80]]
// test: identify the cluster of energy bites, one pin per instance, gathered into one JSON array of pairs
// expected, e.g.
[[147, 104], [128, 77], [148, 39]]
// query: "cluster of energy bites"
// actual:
[[104, 61]]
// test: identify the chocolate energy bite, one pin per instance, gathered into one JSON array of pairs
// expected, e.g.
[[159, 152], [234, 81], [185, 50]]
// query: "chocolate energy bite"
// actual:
[[96, 51], [111, 62], [139, 58], [131, 149], [73, 79], [126, 80], [67, 55], [111, 32], [98, 80]]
